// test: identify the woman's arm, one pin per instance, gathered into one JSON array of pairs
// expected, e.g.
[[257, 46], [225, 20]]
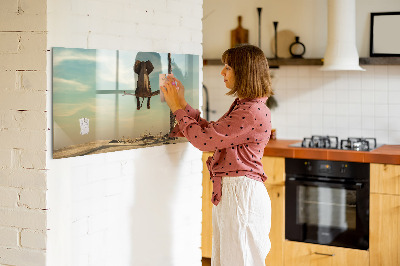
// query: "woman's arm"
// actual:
[[238, 128], [195, 114], [174, 93]]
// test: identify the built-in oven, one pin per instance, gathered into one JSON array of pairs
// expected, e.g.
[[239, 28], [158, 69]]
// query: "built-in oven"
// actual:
[[327, 202]]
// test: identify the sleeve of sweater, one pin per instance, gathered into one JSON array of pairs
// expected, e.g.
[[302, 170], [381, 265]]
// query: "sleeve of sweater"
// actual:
[[234, 129], [193, 113]]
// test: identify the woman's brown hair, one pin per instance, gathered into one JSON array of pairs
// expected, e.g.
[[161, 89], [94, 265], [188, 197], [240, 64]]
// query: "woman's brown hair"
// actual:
[[250, 66]]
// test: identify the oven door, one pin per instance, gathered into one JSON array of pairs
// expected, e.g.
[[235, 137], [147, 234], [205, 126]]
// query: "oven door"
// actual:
[[327, 213]]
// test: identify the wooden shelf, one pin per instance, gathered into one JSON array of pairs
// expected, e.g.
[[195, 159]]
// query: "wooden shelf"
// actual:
[[380, 61], [212, 62], [274, 63]]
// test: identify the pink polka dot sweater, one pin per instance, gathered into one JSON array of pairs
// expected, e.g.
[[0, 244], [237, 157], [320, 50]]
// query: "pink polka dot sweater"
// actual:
[[238, 139]]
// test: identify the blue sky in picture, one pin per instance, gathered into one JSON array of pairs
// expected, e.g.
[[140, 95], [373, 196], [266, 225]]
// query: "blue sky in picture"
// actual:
[[89, 83]]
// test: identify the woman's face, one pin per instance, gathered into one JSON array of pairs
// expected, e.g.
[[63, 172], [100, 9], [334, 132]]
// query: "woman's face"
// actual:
[[229, 76]]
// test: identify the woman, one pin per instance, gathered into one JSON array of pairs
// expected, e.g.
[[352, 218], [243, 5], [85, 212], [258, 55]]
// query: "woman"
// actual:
[[242, 208]]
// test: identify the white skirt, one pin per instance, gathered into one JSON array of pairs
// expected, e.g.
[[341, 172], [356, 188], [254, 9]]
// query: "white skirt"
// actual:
[[241, 223]]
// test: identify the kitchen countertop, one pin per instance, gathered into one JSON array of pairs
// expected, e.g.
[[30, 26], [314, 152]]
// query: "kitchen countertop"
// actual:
[[389, 154]]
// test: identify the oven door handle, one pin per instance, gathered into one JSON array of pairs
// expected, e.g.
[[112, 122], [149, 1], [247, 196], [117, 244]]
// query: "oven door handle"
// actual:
[[357, 185]]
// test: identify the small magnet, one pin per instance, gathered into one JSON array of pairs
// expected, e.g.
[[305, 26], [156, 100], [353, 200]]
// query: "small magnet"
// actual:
[[84, 124]]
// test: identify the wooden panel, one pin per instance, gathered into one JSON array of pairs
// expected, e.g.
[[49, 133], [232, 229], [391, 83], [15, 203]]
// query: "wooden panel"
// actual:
[[385, 178], [275, 62], [389, 154], [274, 168], [311, 153], [280, 148], [304, 254], [384, 229], [277, 233], [382, 158], [294, 61], [380, 61], [206, 232], [316, 61], [349, 156]]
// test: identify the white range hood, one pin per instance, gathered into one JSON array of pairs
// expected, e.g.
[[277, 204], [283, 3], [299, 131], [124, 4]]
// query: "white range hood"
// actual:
[[341, 51]]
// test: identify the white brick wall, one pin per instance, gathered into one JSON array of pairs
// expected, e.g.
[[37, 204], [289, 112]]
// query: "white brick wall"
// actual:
[[33, 239], [9, 237], [23, 132], [9, 197], [101, 206], [134, 207]]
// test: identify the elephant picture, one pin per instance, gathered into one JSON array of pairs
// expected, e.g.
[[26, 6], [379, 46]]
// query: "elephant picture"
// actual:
[[92, 112], [143, 88]]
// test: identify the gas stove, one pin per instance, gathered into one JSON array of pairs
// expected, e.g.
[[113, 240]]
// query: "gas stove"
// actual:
[[332, 142]]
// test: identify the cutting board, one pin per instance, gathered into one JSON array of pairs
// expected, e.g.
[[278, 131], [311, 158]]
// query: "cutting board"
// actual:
[[239, 35]]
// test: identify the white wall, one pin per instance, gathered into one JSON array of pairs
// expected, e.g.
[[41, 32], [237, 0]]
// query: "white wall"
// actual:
[[23, 133], [343, 104], [311, 102], [134, 207], [304, 18]]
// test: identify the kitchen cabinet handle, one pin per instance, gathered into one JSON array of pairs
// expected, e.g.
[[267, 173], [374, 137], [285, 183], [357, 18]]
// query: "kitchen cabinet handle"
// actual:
[[324, 254]]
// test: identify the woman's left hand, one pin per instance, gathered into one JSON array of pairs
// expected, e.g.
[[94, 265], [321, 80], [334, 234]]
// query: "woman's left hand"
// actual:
[[171, 94]]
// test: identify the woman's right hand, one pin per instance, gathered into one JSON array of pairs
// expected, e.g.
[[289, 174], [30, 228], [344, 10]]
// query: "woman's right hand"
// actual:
[[181, 92]]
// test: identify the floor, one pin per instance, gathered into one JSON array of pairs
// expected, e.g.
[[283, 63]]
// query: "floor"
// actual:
[[206, 261]]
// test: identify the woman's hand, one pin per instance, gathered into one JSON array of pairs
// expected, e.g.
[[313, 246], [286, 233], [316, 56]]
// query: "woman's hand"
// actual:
[[181, 92], [172, 95]]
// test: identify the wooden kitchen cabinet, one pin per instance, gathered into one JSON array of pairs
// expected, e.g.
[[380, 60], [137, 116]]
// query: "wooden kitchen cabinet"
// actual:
[[277, 233], [305, 254], [384, 237], [206, 225], [274, 168], [385, 178]]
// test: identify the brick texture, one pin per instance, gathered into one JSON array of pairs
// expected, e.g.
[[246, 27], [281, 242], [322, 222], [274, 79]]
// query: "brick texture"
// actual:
[[8, 197], [23, 218], [33, 199], [92, 197], [33, 239], [23, 125], [9, 237], [18, 256]]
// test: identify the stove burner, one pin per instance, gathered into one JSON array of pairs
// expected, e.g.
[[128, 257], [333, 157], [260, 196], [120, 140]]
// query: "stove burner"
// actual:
[[328, 142], [332, 142], [358, 144]]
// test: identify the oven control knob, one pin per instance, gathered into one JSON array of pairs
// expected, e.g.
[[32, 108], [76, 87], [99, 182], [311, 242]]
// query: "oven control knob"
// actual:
[[308, 166], [343, 168]]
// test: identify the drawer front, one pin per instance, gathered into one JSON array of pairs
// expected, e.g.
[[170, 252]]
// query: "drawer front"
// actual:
[[297, 253]]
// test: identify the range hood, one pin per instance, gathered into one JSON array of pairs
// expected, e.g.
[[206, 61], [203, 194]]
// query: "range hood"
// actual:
[[341, 51]]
